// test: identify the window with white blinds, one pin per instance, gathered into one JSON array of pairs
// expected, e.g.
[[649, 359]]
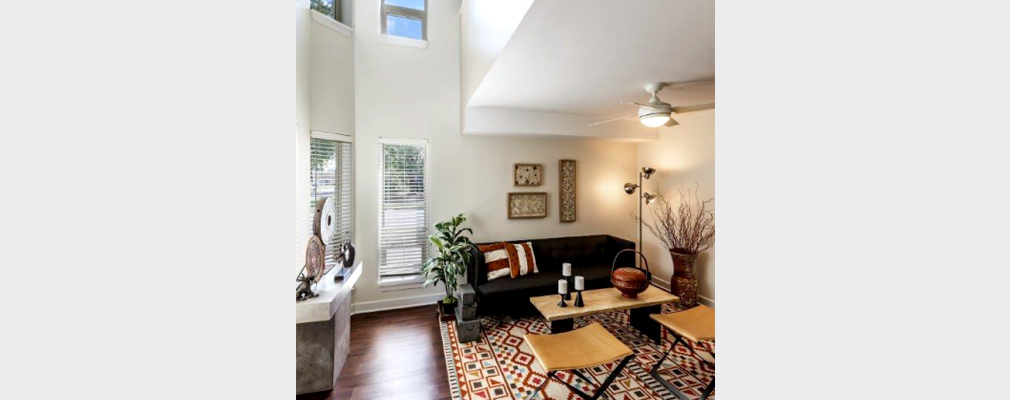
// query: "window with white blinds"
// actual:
[[330, 169], [403, 211]]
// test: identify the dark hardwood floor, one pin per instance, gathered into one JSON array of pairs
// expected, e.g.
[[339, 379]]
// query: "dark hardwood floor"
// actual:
[[394, 355]]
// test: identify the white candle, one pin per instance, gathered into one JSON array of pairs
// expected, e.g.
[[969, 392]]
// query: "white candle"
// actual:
[[562, 286], [580, 283], [566, 269]]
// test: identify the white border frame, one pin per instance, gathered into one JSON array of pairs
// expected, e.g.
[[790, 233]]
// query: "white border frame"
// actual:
[[415, 283], [331, 23], [403, 12], [402, 41], [337, 137]]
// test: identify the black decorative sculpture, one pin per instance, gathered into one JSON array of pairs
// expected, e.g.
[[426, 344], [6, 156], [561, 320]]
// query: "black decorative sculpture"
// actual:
[[304, 290], [347, 250]]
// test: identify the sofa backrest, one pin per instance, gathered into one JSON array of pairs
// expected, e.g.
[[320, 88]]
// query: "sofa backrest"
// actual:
[[550, 253]]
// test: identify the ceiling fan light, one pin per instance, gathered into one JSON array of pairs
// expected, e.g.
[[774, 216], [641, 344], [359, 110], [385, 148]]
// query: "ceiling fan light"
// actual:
[[654, 120]]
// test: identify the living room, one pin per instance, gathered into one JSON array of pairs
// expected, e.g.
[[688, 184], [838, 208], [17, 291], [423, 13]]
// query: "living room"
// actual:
[[489, 199], [465, 97], [365, 74]]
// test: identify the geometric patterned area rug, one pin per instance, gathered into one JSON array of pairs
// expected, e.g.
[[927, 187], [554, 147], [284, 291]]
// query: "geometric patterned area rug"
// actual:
[[501, 366]]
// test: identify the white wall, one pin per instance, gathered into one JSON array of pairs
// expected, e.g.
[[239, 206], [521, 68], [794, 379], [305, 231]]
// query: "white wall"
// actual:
[[405, 92], [332, 72], [684, 154], [303, 121], [324, 101]]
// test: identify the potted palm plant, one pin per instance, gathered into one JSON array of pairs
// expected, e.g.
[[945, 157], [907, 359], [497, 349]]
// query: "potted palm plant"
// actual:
[[453, 253], [686, 230]]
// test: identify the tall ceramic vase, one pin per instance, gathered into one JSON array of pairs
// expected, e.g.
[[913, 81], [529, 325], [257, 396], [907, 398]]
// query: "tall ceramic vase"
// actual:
[[684, 283]]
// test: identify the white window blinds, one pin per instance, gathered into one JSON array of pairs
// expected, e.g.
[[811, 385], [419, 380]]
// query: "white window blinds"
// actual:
[[330, 168], [403, 211]]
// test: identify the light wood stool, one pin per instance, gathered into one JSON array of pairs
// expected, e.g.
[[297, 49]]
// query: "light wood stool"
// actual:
[[585, 347], [697, 324]]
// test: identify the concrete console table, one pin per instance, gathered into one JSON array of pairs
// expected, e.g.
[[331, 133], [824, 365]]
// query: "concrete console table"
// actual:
[[323, 332]]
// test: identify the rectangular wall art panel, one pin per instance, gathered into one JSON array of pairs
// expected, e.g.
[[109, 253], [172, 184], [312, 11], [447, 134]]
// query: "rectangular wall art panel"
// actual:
[[527, 174], [527, 205], [566, 198]]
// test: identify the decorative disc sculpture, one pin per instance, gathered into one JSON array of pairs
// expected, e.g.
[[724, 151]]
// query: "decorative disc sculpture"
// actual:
[[324, 222], [315, 256]]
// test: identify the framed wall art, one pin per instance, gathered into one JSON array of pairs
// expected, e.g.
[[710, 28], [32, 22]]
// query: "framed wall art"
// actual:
[[566, 190], [527, 174], [527, 205]]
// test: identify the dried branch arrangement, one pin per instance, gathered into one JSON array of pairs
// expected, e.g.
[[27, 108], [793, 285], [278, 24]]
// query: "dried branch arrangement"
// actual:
[[689, 229]]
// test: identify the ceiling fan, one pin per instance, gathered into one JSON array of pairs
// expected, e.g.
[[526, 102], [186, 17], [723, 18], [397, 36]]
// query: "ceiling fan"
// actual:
[[656, 112]]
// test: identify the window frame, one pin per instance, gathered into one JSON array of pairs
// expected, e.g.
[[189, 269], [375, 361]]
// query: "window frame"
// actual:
[[404, 12], [417, 280], [337, 14], [337, 138]]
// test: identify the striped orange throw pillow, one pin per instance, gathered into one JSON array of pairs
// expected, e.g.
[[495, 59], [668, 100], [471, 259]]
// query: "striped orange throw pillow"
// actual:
[[496, 259], [521, 259]]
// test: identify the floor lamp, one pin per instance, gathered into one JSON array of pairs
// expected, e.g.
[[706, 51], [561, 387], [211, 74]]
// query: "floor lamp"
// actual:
[[648, 198]]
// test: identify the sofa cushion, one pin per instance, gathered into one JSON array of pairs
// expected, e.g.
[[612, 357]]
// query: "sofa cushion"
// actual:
[[594, 273], [521, 259], [529, 285], [496, 260], [544, 283], [580, 251]]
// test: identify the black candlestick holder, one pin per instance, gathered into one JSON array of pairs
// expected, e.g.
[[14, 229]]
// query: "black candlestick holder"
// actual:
[[562, 303], [568, 295], [578, 299]]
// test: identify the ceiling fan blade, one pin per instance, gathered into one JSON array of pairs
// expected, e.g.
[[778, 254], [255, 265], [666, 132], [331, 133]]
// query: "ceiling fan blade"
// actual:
[[649, 106], [690, 83], [612, 120], [696, 107], [671, 122]]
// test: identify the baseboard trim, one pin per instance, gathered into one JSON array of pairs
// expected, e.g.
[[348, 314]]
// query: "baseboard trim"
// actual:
[[665, 285], [395, 304]]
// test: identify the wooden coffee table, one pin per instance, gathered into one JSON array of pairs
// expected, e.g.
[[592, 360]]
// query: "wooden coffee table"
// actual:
[[561, 319]]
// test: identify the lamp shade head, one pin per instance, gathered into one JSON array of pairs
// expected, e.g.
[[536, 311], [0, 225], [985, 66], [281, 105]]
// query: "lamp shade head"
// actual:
[[649, 198], [629, 188], [654, 120], [648, 171]]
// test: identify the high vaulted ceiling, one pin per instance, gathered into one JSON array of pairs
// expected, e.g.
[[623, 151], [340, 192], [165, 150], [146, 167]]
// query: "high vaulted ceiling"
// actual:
[[586, 56]]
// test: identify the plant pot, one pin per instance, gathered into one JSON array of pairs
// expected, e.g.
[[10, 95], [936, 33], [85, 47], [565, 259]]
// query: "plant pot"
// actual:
[[684, 282], [447, 311]]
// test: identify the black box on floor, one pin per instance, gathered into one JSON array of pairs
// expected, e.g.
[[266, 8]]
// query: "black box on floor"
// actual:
[[467, 331], [467, 295], [467, 312]]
